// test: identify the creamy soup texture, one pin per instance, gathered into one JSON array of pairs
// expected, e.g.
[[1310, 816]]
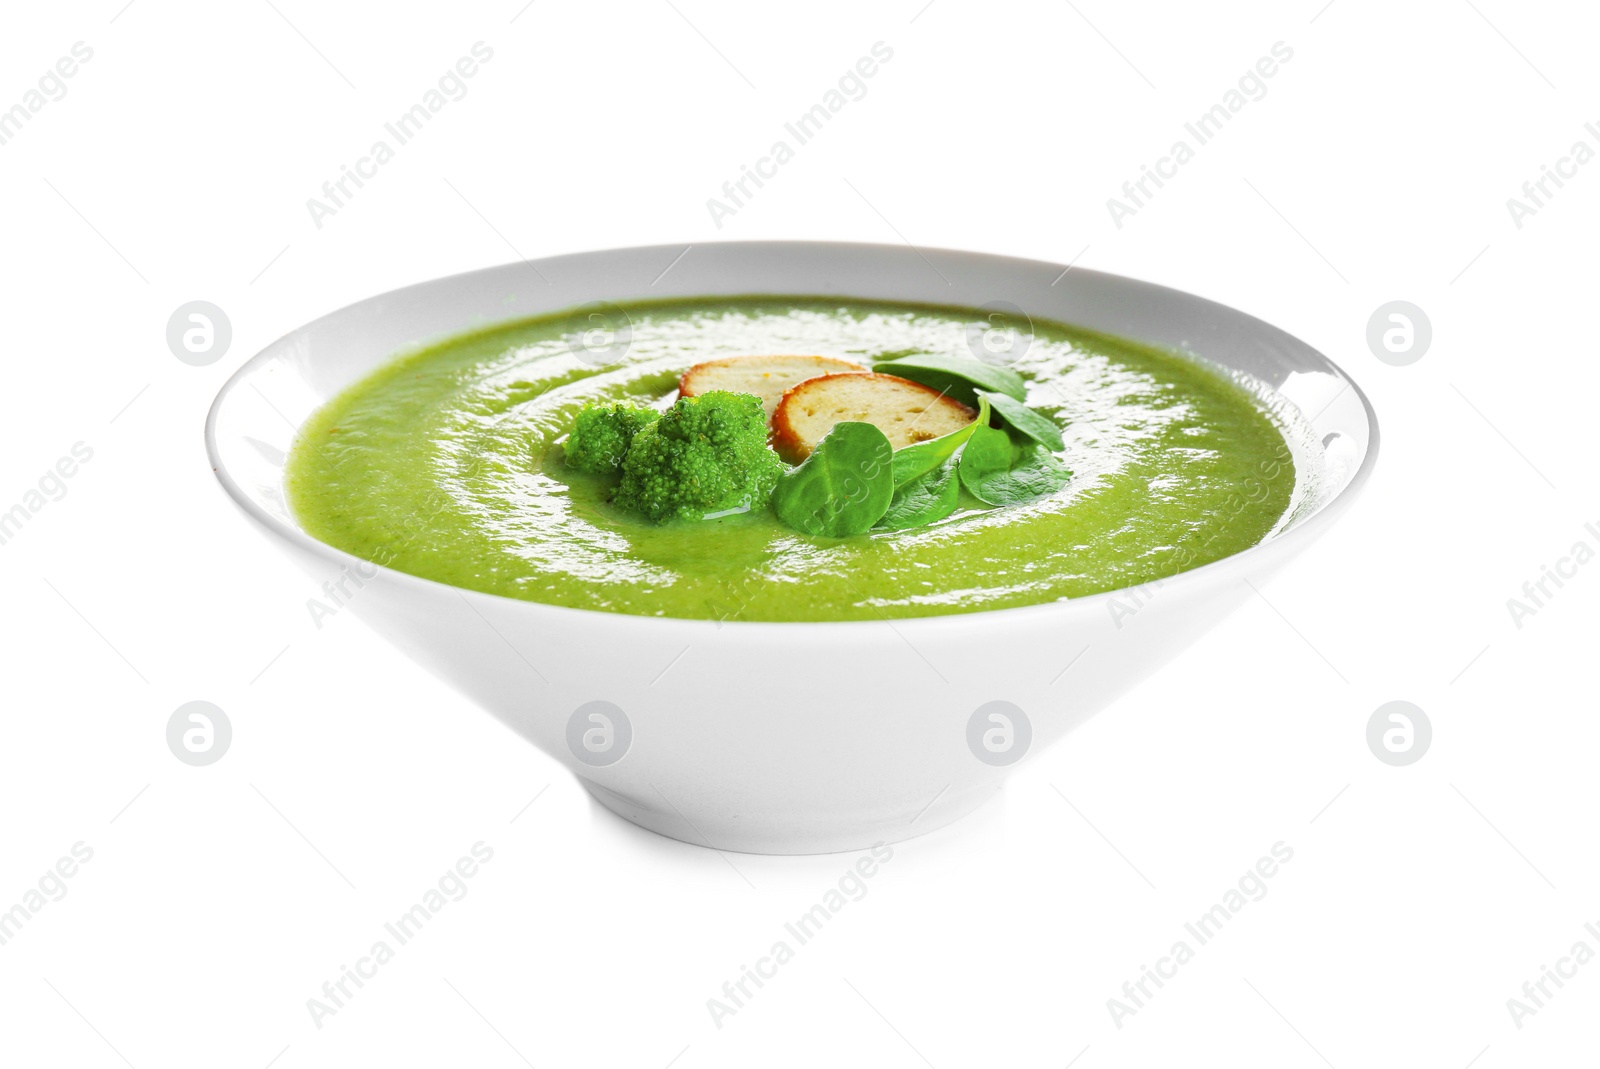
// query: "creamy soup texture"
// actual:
[[446, 464]]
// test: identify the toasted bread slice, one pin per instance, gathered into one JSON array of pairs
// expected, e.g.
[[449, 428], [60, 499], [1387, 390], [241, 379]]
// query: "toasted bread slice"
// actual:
[[906, 412], [765, 376]]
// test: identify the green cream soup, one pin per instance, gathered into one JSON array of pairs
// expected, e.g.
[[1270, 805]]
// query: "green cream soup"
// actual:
[[447, 464]]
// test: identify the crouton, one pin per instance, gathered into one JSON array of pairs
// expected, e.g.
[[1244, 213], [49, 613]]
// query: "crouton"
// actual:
[[906, 412], [765, 376]]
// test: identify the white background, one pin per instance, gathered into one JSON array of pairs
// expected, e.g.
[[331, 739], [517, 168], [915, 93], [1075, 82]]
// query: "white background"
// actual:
[[220, 899]]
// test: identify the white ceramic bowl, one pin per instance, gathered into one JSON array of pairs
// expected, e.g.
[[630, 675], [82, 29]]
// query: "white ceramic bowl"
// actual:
[[869, 743]]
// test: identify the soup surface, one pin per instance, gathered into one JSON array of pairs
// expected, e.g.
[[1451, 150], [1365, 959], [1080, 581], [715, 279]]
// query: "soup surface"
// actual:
[[446, 464]]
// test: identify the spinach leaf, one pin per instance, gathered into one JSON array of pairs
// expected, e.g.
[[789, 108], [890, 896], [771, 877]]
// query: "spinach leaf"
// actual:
[[917, 460], [959, 376], [1034, 474], [986, 456], [996, 474], [1025, 420], [844, 486], [930, 496]]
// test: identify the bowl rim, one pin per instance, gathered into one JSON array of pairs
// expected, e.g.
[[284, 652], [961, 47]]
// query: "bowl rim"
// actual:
[[1287, 542]]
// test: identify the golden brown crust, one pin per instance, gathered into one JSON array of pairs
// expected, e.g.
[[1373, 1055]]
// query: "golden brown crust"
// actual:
[[765, 376], [906, 412]]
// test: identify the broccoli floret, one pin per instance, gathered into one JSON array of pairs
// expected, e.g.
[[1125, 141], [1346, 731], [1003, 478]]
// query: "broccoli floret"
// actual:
[[601, 435], [705, 454]]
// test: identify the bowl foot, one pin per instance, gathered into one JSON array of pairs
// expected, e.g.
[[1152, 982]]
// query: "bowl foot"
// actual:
[[794, 834]]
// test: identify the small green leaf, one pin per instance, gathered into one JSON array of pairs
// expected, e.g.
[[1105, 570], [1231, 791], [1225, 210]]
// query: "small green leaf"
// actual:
[[1029, 474], [917, 460], [958, 376], [986, 456], [844, 486], [1025, 420], [930, 496]]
